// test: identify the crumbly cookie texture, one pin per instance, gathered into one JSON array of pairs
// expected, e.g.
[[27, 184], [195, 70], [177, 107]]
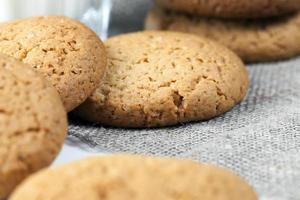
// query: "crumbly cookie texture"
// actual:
[[252, 40], [33, 123], [64, 50], [123, 177], [233, 8], [164, 78]]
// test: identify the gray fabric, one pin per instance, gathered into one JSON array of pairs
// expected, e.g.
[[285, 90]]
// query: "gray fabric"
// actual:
[[259, 139]]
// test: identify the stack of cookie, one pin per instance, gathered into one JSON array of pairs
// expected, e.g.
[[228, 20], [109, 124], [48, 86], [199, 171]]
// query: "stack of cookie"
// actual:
[[260, 30], [52, 65]]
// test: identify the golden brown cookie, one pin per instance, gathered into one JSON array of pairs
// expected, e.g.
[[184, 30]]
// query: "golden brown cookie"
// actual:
[[165, 78], [252, 40], [233, 8], [33, 123], [123, 177], [64, 50]]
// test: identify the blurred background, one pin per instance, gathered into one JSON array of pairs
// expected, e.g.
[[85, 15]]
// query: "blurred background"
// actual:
[[122, 15]]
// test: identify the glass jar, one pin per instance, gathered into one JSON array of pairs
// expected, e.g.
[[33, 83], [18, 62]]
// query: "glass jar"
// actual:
[[94, 13]]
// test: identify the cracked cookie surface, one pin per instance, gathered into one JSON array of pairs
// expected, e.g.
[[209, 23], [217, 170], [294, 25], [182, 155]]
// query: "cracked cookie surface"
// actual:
[[233, 8], [124, 177], [68, 53], [252, 40], [164, 78], [33, 123]]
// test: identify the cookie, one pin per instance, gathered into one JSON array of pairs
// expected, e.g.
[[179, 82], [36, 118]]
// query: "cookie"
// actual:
[[232, 8], [68, 53], [33, 123], [164, 78], [263, 40], [134, 177]]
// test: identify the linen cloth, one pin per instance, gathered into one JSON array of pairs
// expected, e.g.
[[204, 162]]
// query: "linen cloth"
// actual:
[[259, 139]]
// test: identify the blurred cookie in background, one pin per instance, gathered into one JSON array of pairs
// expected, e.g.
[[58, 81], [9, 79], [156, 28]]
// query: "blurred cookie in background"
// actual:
[[122, 177], [33, 123], [232, 8], [253, 40]]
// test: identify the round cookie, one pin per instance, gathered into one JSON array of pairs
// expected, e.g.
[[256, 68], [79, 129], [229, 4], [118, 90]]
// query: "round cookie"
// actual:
[[33, 123], [123, 177], [164, 78], [263, 40], [232, 8], [64, 50]]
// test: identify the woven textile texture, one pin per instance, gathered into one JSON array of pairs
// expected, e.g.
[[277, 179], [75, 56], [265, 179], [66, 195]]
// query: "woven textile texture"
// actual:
[[259, 139]]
